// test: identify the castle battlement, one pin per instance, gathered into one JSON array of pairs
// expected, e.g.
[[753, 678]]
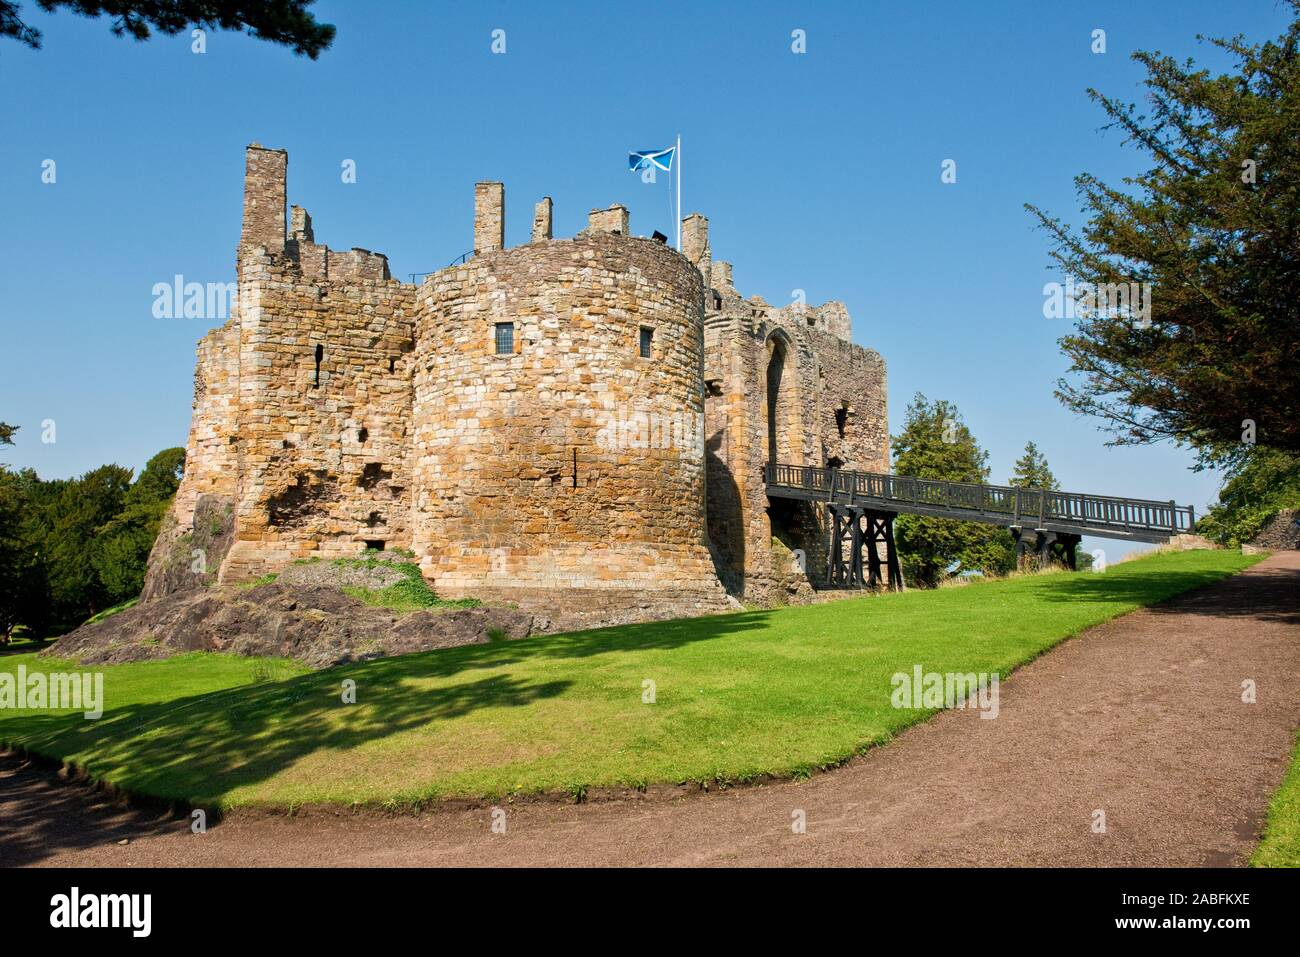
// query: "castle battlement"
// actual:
[[583, 414]]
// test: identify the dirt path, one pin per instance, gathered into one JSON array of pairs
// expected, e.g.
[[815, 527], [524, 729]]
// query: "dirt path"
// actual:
[[1141, 718]]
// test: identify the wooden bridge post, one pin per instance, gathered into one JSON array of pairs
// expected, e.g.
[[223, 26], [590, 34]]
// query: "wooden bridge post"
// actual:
[[895, 569], [880, 531], [837, 572], [1070, 545], [1044, 542], [855, 547], [873, 551]]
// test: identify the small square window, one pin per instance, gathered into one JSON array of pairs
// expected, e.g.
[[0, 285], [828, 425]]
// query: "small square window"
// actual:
[[505, 338], [647, 343]]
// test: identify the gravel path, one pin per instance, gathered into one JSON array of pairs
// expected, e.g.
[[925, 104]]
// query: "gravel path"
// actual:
[[1141, 718]]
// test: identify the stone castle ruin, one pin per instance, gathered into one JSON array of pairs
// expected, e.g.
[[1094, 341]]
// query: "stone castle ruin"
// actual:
[[581, 421]]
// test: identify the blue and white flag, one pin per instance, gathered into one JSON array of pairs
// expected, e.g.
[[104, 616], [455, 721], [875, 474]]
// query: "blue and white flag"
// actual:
[[638, 160]]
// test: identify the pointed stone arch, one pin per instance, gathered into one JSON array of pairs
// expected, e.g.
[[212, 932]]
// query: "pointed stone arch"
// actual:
[[781, 400]]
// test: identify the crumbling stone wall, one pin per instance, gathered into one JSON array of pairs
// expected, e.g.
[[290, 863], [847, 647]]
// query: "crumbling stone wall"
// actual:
[[571, 461], [211, 456], [302, 400], [786, 384], [324, 415], [1281, 531], [585, 417]]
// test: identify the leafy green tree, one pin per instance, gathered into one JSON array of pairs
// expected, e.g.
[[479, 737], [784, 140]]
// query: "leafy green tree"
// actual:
[[1032, 470], [72, 547], [73, 515], [159, 479], [1258, 486], [1212, 226], [122, 545], [7, 433], [286, 22], [936, 444], [24, 594]]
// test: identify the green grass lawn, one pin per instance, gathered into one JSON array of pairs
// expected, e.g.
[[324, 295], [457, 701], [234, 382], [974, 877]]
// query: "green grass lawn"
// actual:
[[1281, 844], [782, 692]]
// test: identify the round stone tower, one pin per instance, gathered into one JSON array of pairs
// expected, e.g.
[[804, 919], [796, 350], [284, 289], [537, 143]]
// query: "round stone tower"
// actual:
[[557, 419]]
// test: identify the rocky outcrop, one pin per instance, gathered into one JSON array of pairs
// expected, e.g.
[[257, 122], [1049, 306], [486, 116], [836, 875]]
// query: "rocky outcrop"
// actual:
[[317, 625], [187, 559]]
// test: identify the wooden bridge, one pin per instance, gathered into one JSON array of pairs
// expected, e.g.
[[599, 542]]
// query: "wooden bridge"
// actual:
[[862, 506]]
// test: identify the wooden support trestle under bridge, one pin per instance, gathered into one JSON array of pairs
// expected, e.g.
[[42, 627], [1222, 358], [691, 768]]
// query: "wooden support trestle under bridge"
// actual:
[[862, 506]]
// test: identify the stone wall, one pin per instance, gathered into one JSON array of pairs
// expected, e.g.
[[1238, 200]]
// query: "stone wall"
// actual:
[[570, 461], [784, 384], [324, 416], [489, 217], [340, 409], [211, 455], [1281, 531], [303, 399]]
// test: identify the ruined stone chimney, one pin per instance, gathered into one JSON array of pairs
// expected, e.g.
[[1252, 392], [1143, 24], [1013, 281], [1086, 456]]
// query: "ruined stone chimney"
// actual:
[[695, 245], [265, 172], [300, 225], [611, 220], [695, 237], [542, 219], [489, 217]]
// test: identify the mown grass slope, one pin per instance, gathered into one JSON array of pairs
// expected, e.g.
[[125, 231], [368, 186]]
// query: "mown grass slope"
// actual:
[[735, 696]]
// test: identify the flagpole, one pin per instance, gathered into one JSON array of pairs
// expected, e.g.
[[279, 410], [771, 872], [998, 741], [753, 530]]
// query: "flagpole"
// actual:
[[679, 192]]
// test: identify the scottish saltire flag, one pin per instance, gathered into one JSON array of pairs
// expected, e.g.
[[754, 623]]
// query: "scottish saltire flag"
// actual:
[[638, 160]]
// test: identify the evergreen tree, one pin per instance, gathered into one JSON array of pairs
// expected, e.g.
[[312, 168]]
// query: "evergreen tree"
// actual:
[[122, 544], [936, 444], [72, 547], [1259, 485], [286, 22], [1211, 228], [24, 594], [1032, 470], [74, 512]]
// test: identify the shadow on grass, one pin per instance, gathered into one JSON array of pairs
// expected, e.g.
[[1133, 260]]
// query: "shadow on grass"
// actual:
[[24, 646], [244, 735], [239, 736], [1268, 594]]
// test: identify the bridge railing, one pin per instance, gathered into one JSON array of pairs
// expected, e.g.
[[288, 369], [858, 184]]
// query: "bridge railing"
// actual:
[[1026, 506]]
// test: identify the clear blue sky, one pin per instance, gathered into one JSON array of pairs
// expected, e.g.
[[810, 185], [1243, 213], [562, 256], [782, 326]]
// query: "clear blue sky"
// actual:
[[818, 171]]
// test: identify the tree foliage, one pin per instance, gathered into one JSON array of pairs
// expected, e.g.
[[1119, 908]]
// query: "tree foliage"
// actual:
[[122, 544], [287, 22], [72, 547], [1214, 227], [936, 444], [1032, 470], [24, 593], [1258, 486]]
